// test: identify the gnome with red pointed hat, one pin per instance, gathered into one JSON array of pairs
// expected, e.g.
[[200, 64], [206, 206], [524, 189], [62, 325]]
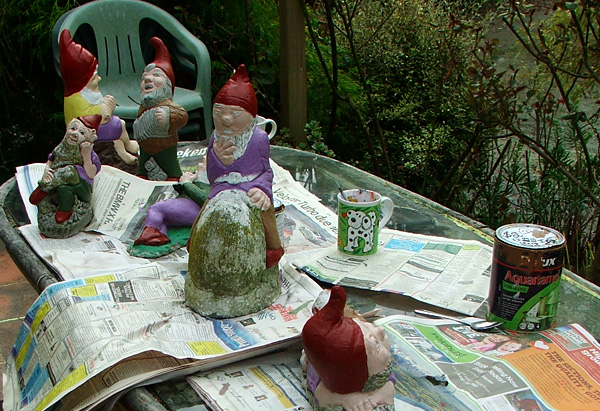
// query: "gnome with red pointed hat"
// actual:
[[159, 119], [238, 154], [71, 168], [82, 97], [347, 360]]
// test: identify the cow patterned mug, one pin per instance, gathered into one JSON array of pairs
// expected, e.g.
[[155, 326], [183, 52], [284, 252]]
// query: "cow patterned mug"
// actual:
[[361, 215]]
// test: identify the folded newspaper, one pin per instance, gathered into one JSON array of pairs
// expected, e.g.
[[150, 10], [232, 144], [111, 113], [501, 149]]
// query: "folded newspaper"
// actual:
[[85, 340], [437, 365]]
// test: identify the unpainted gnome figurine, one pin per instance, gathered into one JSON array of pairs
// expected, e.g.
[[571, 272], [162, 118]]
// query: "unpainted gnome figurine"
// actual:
[[82, 97], [64, 193], [347, 360], [159, 119], [234, 244]]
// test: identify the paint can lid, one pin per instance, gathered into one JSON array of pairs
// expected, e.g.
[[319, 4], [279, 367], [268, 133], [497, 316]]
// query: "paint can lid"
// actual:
[[530, 236]]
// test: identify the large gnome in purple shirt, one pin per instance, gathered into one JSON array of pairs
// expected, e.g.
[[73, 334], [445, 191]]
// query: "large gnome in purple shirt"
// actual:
[[234, 244], [238, 154]]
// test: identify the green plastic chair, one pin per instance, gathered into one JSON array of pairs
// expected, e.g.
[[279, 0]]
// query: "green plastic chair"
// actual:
[[117, 32]]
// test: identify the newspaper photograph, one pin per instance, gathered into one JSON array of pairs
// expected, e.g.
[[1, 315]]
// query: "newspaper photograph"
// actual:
[[126, 327], [437, 362], [453, 274]]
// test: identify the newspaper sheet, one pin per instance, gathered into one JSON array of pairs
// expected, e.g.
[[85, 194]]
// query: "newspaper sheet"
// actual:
[[449, 273], [437, 362], [86, 339], [437, 365], [272, 382]]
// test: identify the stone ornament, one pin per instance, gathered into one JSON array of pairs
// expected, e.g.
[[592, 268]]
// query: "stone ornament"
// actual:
[[234, 246], [347, 361], [63, 195], [82, 97], [159, 119]]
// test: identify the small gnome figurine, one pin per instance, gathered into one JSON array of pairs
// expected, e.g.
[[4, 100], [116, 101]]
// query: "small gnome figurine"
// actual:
[[64, 193], [82, 97], [159, 119], [347, 360]]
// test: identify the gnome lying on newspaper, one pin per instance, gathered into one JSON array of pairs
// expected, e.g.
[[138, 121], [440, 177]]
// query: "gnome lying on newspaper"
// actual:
[[64, 193], [347, 361], [234, 245]]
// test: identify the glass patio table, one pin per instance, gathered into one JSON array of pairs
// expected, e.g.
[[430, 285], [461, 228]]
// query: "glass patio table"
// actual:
[[579, 299]]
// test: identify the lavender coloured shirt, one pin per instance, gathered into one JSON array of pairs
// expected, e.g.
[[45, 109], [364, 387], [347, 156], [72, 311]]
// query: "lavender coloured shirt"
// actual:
[[254, 161]]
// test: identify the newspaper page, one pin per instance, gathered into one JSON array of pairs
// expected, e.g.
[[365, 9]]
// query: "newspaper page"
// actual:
[[85, 254], [453, 274], [441, 362], [120, 200], [271, 382], [86, 339]]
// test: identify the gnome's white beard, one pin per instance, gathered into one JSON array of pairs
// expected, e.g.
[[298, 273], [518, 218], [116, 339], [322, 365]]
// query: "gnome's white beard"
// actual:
[[154, 97], [92, 96], [241, 140]]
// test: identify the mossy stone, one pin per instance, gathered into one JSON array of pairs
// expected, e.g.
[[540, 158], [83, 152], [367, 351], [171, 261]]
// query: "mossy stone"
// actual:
[[79, 220], [227, 259]]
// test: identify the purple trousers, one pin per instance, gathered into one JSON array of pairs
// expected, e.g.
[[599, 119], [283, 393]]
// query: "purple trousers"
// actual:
[[174, 212]]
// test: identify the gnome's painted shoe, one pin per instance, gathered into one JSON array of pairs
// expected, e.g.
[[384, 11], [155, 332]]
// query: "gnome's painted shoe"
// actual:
[[273, 256], [62, 216], [152, 236], [37, 196]]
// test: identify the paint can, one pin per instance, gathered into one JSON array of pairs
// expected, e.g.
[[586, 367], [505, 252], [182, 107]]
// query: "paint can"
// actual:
[[279, 217], [525, 278]]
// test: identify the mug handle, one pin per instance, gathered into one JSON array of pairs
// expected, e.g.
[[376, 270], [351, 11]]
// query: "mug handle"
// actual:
[[273, 127], [387, 209]]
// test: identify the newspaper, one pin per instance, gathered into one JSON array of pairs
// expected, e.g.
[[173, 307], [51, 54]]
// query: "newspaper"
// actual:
[[449, 273], [437, 365], [271, 382], [85, 340], [443, 362]]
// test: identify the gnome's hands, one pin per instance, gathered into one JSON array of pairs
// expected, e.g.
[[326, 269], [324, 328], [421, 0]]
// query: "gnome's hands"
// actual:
[[224, 149], [162, 117], [107, 107], [259, 199]]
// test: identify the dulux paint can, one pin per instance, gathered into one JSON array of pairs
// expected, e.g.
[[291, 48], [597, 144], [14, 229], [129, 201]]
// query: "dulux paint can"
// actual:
[[527, 264]]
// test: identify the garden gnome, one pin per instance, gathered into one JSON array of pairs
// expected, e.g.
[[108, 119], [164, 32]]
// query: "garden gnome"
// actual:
[[65, 190], [159, 119], [234, 245], [181, 211], [82, 97], [347, 360]]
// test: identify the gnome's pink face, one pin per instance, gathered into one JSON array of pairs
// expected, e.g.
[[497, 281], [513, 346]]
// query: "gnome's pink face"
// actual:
[[154, 79], [230, 121], [77, 133], [377, 345]]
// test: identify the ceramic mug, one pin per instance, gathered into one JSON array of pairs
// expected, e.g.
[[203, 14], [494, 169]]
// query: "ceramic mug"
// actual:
[[262, 123], [361, 214]]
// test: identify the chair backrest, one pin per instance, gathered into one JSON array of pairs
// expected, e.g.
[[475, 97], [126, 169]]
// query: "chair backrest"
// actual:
[[117, 32]]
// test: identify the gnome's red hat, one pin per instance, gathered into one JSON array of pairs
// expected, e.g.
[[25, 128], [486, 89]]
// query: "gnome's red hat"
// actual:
[[162, 59], [77, 65], [334, 345], [91, 121], [238, 91]]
